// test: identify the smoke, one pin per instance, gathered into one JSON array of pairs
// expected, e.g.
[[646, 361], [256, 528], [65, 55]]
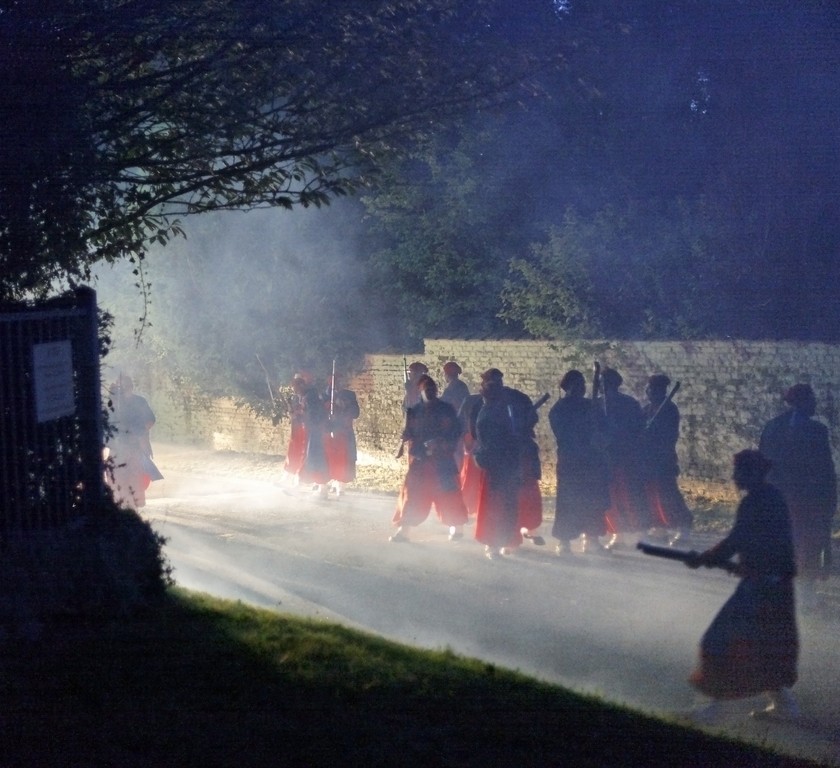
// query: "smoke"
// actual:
[[290, 287], [593, 623]]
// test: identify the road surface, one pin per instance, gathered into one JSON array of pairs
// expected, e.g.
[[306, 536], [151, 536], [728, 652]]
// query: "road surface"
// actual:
[[623, 626]]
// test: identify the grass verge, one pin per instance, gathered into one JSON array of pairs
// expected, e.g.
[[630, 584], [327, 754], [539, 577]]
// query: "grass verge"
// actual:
[[201, 681]]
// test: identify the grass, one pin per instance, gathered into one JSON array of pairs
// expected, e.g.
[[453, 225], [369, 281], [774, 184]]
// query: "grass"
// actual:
[[205, 682]]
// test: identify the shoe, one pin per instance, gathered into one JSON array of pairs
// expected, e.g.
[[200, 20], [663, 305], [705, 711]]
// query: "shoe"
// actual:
[[398, 536], [455, 534], [489, 552], [594, 547], [563, 549], [782, 706], [506, 551], [538, 540], [772, 712], [658, 535]]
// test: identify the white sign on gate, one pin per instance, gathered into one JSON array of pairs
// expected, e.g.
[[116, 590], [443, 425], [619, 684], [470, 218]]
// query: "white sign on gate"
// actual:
[[52, 365]]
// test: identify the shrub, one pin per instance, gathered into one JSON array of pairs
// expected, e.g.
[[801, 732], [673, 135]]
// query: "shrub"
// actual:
[[110, 562]]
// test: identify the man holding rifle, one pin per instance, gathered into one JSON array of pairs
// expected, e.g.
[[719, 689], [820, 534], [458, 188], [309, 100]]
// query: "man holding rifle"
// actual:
[[752, 645]]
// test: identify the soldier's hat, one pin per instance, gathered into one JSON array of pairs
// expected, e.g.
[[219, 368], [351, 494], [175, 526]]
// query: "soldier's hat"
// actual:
[[753, 463], [799, 393], [571, 378], [612, 376]]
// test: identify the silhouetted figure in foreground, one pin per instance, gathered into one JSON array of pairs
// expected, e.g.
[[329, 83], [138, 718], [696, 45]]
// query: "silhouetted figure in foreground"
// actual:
[[752, 645]]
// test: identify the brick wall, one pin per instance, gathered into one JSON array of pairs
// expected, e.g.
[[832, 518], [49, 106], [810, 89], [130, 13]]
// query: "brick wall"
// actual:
[[728, 390]]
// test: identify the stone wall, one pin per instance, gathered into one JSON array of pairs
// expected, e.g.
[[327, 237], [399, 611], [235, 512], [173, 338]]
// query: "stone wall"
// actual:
[[728, 390]]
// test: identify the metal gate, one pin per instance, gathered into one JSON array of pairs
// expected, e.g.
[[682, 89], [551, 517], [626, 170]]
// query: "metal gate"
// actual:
[[51, 468]]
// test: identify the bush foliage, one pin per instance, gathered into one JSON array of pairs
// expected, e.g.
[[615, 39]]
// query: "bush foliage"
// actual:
[[109, 563]]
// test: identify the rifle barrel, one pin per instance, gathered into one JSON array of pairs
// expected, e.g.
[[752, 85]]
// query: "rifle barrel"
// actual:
[[682, 555], [667, 552]]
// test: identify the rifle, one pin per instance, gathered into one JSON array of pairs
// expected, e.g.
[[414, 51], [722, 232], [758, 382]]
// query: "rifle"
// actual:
[[401, 446], [332, 390], [332, 397], [542, 401], [684, 556], [534, 407], [597, 385], [668, 398], [596, 379], [267, 380]]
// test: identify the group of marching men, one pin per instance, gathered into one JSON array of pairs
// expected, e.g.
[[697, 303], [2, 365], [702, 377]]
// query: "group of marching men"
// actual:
[[475, 456]]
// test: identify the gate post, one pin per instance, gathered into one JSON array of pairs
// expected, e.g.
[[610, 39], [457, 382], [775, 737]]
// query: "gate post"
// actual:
[[89, 390]]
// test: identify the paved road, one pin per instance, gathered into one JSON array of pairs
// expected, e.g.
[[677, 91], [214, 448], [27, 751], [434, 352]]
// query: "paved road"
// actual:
[[623, 626]]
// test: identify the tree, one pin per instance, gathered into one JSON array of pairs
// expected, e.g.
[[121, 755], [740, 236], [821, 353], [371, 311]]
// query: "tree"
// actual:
[[439, 250], [732, 107], [650, 270], [716, 126], [121, 116]]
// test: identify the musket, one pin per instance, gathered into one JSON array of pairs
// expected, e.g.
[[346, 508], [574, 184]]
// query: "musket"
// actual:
[[597, 384], [332, 397], [535, 406], [267, 380], [332, 390], [684, 556], [542, 401], [401, 446], [668, 398]]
